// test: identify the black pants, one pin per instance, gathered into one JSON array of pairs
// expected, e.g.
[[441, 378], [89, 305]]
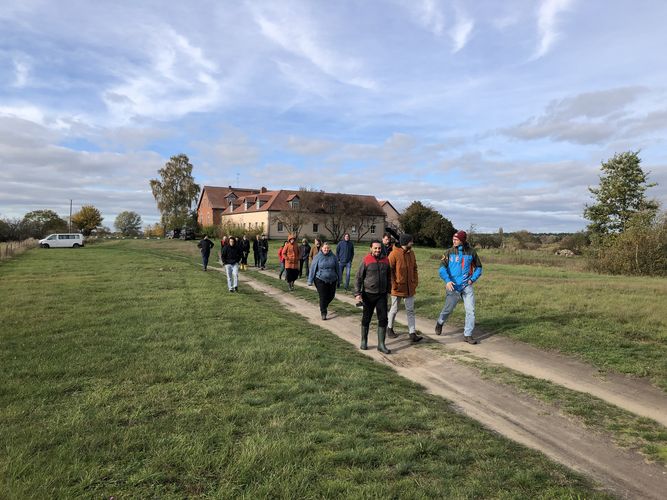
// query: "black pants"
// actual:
[[256, 256], [327, 292], [204, 258], [244, 258], [372, 302], [301, 262], [263, 256]]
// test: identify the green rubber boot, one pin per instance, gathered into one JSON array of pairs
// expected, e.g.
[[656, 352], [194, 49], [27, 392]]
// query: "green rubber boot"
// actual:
[[382, 332], [364, 338]]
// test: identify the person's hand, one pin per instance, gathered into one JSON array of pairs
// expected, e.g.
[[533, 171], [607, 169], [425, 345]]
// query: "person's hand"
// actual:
[[358, 297], [450, 286]]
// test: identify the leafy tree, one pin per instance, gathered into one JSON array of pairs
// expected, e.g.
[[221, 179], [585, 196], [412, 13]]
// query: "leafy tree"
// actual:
[[620, 195], [128, 223], [176, 192], [87, 219], [13, 229], [42, 222], [427, 226]]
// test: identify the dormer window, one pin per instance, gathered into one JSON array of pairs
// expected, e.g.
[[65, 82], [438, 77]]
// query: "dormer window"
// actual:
[[294, 203]]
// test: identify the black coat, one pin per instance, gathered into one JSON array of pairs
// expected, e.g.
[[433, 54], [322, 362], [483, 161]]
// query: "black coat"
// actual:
[[231, 254], [205, 245]]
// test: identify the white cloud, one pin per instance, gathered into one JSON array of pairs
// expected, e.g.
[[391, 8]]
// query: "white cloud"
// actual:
[[461, 31], [430, 16], [177, 79], [547, 20], [22, 72], [298, 34]]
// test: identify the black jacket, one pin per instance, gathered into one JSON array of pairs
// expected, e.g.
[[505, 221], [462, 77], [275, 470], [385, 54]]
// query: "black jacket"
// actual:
[[231, 254], [205, 245]]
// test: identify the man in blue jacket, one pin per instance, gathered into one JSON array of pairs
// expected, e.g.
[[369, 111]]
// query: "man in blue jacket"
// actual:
[[345, 254], [459, 269]]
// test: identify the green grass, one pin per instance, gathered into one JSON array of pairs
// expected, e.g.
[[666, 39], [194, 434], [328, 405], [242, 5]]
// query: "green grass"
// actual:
[[128, 372]]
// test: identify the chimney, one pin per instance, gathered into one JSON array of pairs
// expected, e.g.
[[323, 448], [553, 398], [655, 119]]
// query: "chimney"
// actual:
[[263, 190]]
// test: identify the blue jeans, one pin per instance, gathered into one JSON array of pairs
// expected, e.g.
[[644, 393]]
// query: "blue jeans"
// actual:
[[451, 299], [348, 269]]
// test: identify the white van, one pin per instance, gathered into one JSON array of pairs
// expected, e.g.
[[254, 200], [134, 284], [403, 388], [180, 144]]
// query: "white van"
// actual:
[[62, 240]]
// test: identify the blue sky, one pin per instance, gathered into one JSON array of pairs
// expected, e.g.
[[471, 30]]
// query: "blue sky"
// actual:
[[497, 114]]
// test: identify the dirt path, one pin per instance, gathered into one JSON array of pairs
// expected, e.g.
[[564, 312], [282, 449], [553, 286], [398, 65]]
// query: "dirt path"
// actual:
[[499, 407], [634, 395]]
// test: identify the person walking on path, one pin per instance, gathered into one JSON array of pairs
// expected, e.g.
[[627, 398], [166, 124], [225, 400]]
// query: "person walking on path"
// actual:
[[255, 249], [387, 245], [325, 273], [231, 256], [291, 256], [205, 246], [263, 252], [315, 249], [245, 251], [281, 260], [404, 281], [304, 248], [345, 254], [460, 267], [372, 285]]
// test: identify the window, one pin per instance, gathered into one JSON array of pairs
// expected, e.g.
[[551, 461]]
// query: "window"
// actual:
[[354, 229], [373, 229], [294, 203], [316, 228], [281, 228]]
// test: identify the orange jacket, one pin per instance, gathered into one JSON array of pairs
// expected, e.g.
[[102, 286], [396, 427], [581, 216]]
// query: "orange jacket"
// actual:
[[291, 254], [404, 275]]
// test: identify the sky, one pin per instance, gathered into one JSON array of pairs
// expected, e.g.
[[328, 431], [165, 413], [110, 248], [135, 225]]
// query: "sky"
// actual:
[[497, 114]]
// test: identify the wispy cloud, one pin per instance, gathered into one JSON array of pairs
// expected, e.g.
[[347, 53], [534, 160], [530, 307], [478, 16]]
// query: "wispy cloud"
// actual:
[[22, 72], [175, 80], [547, 21], [298, 34], [462, 30]]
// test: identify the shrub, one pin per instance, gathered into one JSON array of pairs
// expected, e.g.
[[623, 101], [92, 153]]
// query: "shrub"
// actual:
[[641, 249]]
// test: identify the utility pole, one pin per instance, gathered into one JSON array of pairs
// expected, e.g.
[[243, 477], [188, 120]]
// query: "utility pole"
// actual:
[[69, 230]]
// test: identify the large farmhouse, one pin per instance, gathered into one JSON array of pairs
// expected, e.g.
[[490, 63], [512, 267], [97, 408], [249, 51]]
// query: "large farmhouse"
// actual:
[[275, 212]]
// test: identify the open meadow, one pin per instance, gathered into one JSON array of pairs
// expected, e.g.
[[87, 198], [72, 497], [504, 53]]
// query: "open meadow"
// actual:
[[128, 372]]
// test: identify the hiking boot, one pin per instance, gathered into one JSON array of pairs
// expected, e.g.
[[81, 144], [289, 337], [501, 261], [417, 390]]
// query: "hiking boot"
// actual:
[[324, 316], [414, 337], [438, 328], [236, 289], [469, 339], [391, 334]]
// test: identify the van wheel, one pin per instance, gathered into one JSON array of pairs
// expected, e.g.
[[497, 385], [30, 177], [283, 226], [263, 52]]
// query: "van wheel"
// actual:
[[44, 245], [76, 245]]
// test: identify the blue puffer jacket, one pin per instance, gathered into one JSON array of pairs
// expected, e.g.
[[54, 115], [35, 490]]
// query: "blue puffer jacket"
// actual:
[[460, 265], [324, 267]]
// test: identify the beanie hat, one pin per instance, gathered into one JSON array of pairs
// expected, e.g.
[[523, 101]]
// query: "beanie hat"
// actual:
[[461, 235], [405, 239]]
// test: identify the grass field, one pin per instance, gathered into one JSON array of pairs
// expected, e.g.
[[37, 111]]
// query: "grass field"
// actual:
[[616, 323], [128, 372]]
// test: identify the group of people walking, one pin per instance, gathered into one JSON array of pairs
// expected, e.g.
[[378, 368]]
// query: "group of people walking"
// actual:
[[387, 270]]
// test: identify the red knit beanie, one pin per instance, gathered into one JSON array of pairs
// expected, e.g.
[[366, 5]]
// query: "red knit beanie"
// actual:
[[461, 235]]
